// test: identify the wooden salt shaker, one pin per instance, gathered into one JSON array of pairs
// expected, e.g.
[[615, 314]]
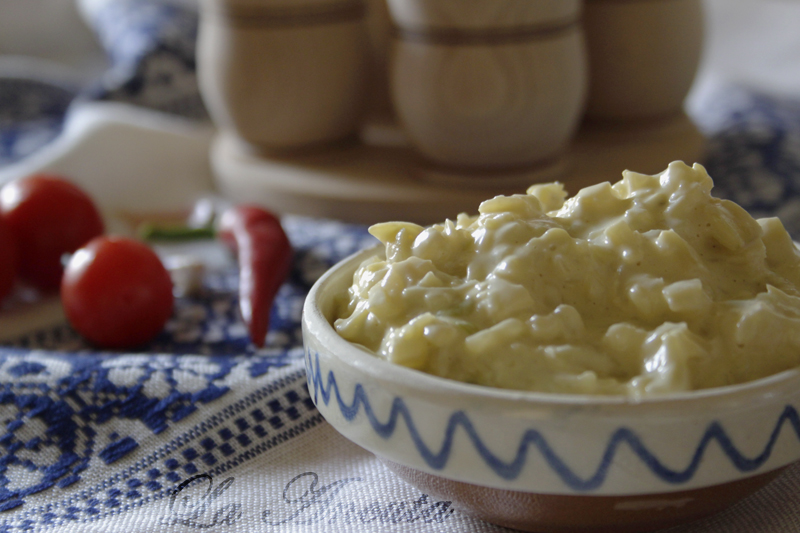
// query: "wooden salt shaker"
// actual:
[[283, 74], [488, 84], [643, 56]]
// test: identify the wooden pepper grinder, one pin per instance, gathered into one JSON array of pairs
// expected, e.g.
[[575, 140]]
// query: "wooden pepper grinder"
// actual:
[[488, 85], [643, 56], [284, 74]]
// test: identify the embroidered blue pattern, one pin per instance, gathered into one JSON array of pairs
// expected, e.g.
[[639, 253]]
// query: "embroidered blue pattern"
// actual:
[[151, 45], [326, 388], [268, 417], [754, 153], [31, 115]]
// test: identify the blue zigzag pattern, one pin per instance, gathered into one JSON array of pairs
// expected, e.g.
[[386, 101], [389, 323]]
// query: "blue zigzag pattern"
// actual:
[[533, 438]]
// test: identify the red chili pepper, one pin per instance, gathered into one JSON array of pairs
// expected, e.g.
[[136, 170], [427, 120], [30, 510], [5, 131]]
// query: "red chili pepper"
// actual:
[[265, 259]]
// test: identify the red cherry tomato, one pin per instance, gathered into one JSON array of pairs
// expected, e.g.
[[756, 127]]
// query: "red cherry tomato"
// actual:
[[8, 259], [116, 292], [49, 217]]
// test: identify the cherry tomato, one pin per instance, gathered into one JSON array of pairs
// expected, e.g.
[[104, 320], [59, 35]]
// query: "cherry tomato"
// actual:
[[8, 259], [116, 292], [49, 217]]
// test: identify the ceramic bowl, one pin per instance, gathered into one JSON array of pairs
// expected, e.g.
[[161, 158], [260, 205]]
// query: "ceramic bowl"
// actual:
[[547, 462]]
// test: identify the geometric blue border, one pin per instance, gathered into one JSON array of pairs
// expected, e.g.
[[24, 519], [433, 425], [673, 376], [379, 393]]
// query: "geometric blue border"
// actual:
[[283, 407], [326, 389]]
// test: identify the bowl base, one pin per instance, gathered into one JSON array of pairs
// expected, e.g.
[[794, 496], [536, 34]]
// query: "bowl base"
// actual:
[[554, 513]]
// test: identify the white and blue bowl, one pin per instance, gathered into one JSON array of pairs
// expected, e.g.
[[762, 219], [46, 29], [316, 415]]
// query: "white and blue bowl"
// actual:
[[550, 462]]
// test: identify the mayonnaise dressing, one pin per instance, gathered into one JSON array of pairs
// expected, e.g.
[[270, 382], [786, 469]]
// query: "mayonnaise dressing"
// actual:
[[643, 287]]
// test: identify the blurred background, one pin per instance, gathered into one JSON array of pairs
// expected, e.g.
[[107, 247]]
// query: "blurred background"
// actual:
[[54, 53]]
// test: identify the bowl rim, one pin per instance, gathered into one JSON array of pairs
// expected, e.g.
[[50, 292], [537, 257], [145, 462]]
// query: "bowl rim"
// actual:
[[315, 323]]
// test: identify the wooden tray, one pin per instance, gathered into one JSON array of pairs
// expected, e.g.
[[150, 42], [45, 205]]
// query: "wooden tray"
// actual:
[[381, 178]]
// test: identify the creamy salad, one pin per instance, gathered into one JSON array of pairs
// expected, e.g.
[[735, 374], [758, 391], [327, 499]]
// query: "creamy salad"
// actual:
[[644, 287]]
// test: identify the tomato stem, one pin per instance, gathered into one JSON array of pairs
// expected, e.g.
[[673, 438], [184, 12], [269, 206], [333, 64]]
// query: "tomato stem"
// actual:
[[151, 232]]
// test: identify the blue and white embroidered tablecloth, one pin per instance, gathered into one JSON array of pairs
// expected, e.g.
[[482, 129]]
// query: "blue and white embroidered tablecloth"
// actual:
[[93, 441]]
